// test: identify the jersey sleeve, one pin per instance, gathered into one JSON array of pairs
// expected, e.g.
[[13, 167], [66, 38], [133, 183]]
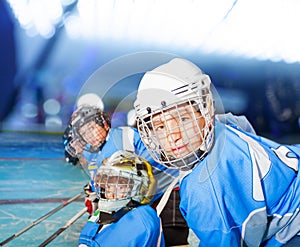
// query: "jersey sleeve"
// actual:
[[138, 227], [243, 193]]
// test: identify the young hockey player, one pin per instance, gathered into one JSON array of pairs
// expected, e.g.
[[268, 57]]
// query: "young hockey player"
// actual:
[[123, 138], [83, 138], [238, 189], [125, 185]]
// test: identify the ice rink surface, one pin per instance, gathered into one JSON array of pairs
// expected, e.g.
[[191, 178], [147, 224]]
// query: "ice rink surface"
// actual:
[[35, 179]]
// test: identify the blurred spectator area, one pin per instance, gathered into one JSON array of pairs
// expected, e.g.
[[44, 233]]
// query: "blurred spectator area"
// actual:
[[43, 68]]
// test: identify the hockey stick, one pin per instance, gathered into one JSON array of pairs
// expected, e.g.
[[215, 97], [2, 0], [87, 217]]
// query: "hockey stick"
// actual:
[[63, 228], [41, 219]]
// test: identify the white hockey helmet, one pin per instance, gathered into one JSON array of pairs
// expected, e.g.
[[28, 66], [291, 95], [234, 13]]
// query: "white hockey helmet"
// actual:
[[176, 83], [121, 178]]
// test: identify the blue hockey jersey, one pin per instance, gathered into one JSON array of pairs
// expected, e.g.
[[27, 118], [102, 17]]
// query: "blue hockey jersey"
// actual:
[[245, 192], [128, 138], [139, 227]]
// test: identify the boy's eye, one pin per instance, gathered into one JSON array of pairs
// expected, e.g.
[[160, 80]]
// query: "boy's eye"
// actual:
[[183, 119], [158, 127]]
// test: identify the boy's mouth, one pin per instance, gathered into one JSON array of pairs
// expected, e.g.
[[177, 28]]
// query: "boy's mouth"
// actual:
[[179, 149]]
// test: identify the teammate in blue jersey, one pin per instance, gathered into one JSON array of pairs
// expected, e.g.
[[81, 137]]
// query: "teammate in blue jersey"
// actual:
[[236, 188], [86, 133], [93, 145], [125, 186]]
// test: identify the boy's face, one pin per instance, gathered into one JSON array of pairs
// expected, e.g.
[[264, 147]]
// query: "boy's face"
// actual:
[[118, 187], [93, 133], [178, 130]]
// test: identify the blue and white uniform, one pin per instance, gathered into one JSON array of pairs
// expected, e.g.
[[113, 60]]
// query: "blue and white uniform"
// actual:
[[128, 138], [138, 227], [245, 192]]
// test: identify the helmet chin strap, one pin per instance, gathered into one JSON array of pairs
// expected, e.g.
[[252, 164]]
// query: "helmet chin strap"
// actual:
[[107, 218], [109, 206], [94, 149], [187, 162]]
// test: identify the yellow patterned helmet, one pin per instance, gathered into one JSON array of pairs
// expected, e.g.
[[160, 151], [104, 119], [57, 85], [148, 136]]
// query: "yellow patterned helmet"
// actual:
[[121, 178]]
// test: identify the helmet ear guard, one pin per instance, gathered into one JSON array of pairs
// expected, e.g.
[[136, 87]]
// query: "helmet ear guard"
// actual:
[[75, 146], [102, 119], [152, 184]]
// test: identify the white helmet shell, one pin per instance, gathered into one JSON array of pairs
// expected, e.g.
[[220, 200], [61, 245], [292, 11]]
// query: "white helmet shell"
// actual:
[[172, 82]]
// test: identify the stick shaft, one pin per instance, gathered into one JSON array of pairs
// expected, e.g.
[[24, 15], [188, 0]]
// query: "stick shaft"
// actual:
[[39, 220], [66, 226]]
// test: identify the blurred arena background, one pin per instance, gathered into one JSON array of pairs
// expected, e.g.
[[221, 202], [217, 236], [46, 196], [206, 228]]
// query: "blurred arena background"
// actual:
[[49, 49]]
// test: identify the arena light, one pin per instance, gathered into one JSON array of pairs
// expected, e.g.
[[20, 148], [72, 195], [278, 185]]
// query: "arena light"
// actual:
[[253, 28], [148, 21], [260, 29], [37, 16]]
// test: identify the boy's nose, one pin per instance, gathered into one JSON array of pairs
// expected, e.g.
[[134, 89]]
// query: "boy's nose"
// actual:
[[111, 195], [173, 131], [111, 192]]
